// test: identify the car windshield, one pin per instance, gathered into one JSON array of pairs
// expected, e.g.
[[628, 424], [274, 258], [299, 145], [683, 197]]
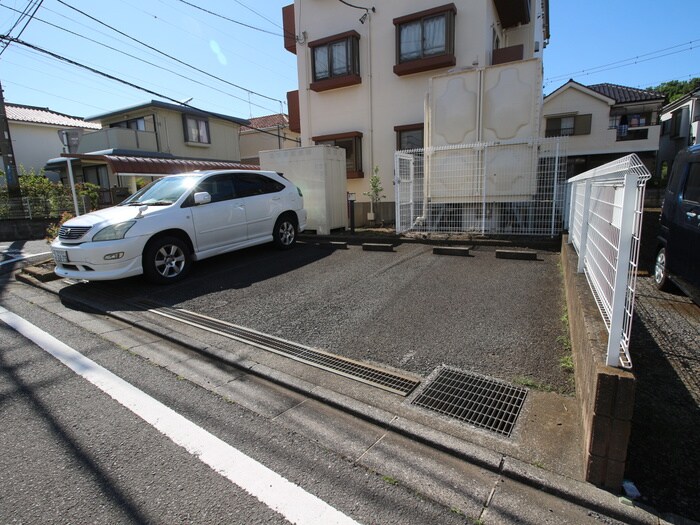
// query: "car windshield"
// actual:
[[162, 192]]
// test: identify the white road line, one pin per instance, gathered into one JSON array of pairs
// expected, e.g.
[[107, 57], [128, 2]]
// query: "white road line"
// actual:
[[279, 494], [22, 258]]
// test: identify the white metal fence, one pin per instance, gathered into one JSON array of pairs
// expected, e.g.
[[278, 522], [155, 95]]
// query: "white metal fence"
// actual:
[[605, 223], [504, 188]]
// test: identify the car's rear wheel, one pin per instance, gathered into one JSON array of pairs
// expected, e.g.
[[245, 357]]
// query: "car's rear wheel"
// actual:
[[285, 232], [166, 260], [661, 271]]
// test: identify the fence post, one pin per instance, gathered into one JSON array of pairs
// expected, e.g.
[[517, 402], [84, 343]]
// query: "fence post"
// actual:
[[572, 211], [624, 252], [28, 206], [483, 188]]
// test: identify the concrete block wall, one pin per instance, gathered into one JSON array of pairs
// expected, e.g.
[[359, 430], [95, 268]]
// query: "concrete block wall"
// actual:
[[24, 229], [605, 394]]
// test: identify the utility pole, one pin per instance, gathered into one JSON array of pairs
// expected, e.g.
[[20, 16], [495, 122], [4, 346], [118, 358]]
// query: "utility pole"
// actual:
[[8, 156]]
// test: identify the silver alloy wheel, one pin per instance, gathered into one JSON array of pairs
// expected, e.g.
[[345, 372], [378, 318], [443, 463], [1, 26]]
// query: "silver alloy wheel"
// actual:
[[169, 260], [286, 233], [660, 267]]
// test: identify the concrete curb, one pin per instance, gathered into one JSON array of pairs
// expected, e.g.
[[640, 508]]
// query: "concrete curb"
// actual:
[[573, 491]]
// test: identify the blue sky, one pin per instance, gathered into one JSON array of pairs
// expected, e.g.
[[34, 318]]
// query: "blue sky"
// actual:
[[584, 37]]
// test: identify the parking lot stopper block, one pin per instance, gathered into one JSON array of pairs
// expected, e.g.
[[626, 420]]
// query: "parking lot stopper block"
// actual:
[[451, 250], [333, 245], [377, 247], [516, 254]]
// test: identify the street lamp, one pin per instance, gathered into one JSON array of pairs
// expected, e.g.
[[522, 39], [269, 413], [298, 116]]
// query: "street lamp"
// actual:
[[70, 138]]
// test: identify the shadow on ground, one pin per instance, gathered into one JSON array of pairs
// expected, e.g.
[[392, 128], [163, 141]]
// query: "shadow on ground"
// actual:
[[664, 450]]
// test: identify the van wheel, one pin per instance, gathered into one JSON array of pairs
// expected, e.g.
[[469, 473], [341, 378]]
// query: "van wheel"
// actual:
[[166, 260], [661, 271], [285, 232]]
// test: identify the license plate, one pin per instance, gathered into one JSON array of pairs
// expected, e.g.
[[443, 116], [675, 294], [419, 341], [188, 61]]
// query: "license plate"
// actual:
[[60, 256]]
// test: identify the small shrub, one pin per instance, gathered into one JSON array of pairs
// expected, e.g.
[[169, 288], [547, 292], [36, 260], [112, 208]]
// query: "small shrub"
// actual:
[[52, 230]]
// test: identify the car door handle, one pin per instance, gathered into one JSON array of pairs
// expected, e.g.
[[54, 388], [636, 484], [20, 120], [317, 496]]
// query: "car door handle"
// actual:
[[275, 198], [691, 214]]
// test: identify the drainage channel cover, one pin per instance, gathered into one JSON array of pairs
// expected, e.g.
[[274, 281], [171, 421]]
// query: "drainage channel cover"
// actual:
[[484, 402], [361, 372]]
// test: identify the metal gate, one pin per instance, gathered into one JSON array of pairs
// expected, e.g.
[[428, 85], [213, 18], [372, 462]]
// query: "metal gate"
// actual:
[[500, 188]]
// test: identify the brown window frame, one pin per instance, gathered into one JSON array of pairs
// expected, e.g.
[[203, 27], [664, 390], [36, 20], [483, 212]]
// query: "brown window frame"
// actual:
[[427, 63], [408, 127], [198, 139], [337, 139], [352, 75], [582, 125]]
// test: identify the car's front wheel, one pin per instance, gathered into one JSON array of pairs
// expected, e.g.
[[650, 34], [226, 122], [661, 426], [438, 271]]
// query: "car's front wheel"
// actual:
[[661, 271], [166, 260], [285, 232]]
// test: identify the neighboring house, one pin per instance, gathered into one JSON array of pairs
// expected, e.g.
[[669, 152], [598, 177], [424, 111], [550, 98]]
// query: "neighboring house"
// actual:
[[603, 122], [34, 133], [364, 73], [266, 133], [679, 129], [150, 140]]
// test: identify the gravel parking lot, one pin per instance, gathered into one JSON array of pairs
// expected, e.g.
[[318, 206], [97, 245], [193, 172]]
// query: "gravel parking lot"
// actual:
[[410, 309]]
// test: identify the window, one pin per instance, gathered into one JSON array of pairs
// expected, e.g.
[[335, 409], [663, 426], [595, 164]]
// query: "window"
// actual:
[[196, 129], [138, 124], [568, 125], [425, 40], [692, 184], [352, 144], [335, 61], [220, 187], [249, 184], [409, 137]]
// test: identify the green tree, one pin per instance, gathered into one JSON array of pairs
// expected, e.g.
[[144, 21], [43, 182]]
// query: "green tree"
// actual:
[[675, 89]]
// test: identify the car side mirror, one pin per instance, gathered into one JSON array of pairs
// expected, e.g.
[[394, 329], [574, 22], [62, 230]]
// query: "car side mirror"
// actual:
[[201, 197]]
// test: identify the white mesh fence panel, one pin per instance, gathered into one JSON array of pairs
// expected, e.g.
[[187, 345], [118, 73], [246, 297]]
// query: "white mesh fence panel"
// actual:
[[509, 188], [605, 229]]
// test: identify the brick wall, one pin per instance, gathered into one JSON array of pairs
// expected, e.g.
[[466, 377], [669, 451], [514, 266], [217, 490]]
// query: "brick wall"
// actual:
[[605, 394]]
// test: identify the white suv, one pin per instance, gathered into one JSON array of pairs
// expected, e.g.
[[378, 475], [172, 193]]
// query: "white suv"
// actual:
[[177, 219]]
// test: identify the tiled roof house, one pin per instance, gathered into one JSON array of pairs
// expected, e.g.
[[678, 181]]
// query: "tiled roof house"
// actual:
[[603, 122], [34, 133], [266, 133]]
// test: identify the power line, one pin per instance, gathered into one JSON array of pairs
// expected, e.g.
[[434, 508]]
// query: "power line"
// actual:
[[167, 55], [230, 19], [653, 55], [22, 15], [125, 82], [259, 14], [146, 61]]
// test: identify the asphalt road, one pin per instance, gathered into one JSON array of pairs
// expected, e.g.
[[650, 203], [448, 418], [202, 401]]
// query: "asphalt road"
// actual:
[[72, 454], [410, 309]]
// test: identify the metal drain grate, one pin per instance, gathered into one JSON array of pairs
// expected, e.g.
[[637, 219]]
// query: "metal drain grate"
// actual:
[[364, 373], [484, 402]]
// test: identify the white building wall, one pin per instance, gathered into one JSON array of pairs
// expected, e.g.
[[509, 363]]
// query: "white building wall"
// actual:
[[383, 99], [34, 144]]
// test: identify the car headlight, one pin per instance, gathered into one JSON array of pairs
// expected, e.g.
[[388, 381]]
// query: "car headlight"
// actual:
[[113, 232]]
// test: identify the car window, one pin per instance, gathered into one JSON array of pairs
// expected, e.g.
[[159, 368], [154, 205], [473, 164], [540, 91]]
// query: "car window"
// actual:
[[220, 187], [691, 191], [248, 184]]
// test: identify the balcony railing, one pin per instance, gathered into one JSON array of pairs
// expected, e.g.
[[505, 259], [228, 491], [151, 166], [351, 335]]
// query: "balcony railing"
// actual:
[[118, 138]]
